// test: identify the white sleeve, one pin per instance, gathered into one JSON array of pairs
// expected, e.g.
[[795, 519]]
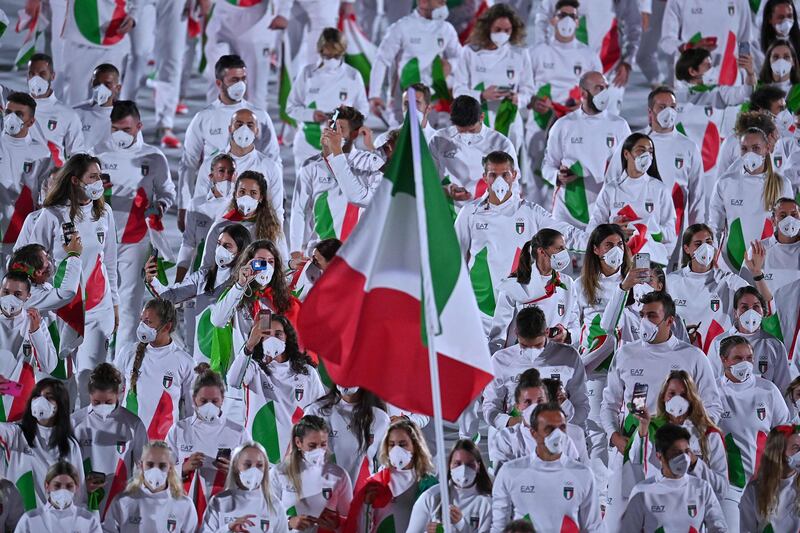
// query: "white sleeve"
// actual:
[[44, 350], [493, 402], [162, 183], [525, 89], [671, 28], [633, 517], [589, 511], [748, 513], [780, 412], [667, 222], [191, 157], [73, 138], [452, 48], [698, 188], [502, 507], [614, 309], [552, 155], [503, 316], [241, 372], [274, 177], [296, 102], [601, 210], [301, 208], [578, 395], [461, 77], [384, 59], [356, 191], [223, 310], [110, 257], [58, 297], [714, 519], [714, 468], [420, 516], [613, 398], [267, 143], [716, 213]]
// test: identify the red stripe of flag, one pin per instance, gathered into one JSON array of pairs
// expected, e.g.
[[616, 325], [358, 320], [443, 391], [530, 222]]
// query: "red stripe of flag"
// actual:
[[112, 35], [679, 201], [95, 285], [162, 418], [18, 404], [351, 214], [710, 149], [117, 485], [22, 208], [729, 70], [610, 51], [135, 228]]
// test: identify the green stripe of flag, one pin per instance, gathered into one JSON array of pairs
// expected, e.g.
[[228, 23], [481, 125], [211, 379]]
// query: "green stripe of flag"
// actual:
[[505, 117], [323, 217], [575, 195], [386, 525], [793, 98], [772, 325], [87, 18], [312, 131], [582, 32], [736, 246], [132, 403], [410, 75], [543, 119], [361, 64], [26, 490], [439, 82], [481, 277], [265, 431], [736, 474]]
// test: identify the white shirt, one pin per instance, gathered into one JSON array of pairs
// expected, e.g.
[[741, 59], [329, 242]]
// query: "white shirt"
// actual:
[[59, 128], [141, 510]]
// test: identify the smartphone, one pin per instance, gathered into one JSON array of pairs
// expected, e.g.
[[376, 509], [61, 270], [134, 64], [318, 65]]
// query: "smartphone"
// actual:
[[313, 272], [744, 48], [639, 398], [96, 477], [67, 230], [505, 89], [641, 261], [11, 388], [552, 332], [264, 319], [223, 453], [106, 179], [334, 118], [258, 265]]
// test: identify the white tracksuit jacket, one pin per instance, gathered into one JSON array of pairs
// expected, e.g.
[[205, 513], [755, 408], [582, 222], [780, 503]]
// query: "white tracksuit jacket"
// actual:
[[476, 510], [769, 357], [59, 128], [330, 194], [326, 487], [650, 364], [554, 495], [165, 379], [650, 199], [749, 410], [516, 441], [554, 361], [48, 519], [663, 504], [253, 160], [559, 308], [317, 88], [95, 122], [141, 510], [458, 156], [208, 133], [343, 442], [27, 357], [231, 504], [491, 238], [112, 446], [200, 216], [782, 265], [785, 518], [589, 140]]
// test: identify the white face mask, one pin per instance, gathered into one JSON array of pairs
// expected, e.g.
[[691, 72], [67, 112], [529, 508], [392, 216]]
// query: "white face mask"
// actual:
[[794, 461], [223, 188], [783, 27], [667, 117], [246, 204], [559, 261], [677, 406], [208, 412], [742, 370], [643, 162], [251, 478], [704, 254], [12, 124], [463, 476], [710, 77], [640, 289], [155, 478], [94, 190], [223, 257], [273, 346], [750, 320], [784, 120], [330, 63], [500, 188], [499, 38], [554, 442], [347, 391], [145, 333], [566, 27], [61, 498], [751, 161], [781, 67], [440, 13], [103, 409], [789, 226], [529, 353], [601, 99], [679, 464], [10, 305], [648, 330], [121, 140], [315, 457], [614, 257], [527, 413], [101, 94], [399, 457], [263, 277], [237, 90], [243, 136], [38, 86], [42, 408]]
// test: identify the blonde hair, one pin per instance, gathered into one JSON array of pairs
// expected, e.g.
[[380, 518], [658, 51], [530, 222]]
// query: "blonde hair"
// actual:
[[333, 39], [770, 473], [772, 183], [173, 480], [293, 463], [232, 481], [421, 462], [697, 412]]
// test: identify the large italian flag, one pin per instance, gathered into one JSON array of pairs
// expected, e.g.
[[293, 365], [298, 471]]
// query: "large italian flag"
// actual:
[[99, 20], [377, 277], [361, 52]]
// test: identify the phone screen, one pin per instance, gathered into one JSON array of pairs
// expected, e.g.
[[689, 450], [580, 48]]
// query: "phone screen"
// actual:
[[67, 229], [642, 261], [264, 319], [639, 398], [223, 453]]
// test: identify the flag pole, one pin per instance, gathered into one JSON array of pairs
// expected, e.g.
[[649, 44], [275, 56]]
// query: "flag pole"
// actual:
[[432, 326]]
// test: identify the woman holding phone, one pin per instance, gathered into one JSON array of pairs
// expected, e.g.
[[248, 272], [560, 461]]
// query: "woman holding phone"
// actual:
[[279, 382], [202, 443]]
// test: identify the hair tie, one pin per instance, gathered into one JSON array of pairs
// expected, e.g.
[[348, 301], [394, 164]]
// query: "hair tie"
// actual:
[[22, 267], [787, 430]]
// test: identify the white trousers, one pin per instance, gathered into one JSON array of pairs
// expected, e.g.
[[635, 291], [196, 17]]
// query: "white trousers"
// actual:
[[130, 260]]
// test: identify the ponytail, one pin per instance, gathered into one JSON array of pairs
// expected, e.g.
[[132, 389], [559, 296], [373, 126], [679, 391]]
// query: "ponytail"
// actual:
[[165, 311], [772, 185]]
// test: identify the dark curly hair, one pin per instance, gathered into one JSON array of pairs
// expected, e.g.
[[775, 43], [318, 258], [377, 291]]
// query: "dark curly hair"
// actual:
[[480, 35]]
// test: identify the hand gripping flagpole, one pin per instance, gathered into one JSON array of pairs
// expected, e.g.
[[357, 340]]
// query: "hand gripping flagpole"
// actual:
[[432, 326]]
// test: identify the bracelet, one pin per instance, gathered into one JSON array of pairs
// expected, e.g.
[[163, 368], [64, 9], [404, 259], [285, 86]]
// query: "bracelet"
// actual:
[[760, 277], [73, 254]]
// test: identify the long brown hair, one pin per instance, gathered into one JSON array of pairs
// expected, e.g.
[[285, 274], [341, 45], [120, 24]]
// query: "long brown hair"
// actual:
[[63, 192], [480, 35], [421, 461], [590, 275], [772, 181], [266, 221], [770, 473], [165, 311], [697, 411], [688, 235], [765, 76], [483, 483], [281, 297]]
